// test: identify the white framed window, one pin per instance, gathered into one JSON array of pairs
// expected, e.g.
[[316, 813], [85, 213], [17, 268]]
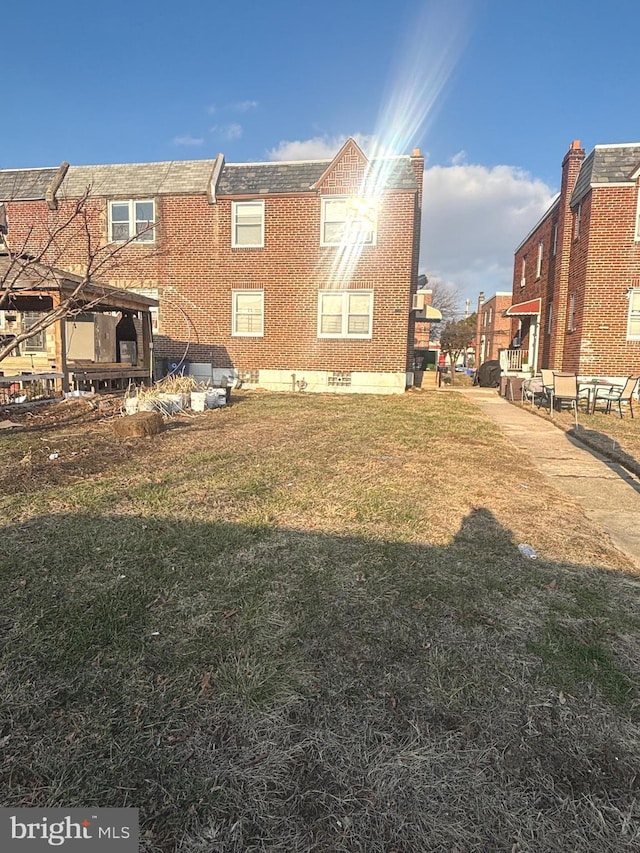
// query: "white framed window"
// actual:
[[132, 220], [248, 313], [540, 255], [571, 324], [348, 220], [152, 293], [633, 324], [247, 224], [638, 218], [554, 240], [523, 273], [37, 342], [577, 221], [345, 313]]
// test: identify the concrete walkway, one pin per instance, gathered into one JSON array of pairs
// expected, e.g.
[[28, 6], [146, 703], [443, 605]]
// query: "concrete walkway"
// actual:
[[608, 493]]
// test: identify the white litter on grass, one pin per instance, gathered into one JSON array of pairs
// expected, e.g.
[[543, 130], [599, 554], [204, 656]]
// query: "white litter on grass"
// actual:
[[155, 633], [528, 552], [54, 455]]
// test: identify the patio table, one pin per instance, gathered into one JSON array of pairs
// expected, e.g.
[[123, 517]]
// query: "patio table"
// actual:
[[592, 385]]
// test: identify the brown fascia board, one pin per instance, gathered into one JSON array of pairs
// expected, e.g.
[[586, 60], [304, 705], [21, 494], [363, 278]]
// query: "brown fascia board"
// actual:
[[54, 186]]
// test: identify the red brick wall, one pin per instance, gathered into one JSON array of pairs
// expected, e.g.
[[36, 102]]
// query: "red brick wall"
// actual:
[[493, 326], [605, 261], [196, 269]]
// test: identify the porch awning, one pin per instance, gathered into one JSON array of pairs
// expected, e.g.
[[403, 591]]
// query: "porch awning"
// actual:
[[429, 314], [524, 309]]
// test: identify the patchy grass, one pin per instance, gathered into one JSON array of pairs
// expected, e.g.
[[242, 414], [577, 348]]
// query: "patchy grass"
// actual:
[[303, 623], [615, 437]]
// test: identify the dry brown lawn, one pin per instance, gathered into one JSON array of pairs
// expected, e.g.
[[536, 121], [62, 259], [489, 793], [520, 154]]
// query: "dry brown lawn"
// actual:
[[303, 624]]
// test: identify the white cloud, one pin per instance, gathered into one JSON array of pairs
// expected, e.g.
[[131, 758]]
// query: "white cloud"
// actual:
[[188, 140], [317, 148], [243, 106], [229, 132], [473, 219]]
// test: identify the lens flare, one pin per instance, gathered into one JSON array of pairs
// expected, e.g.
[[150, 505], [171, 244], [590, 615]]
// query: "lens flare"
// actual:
[[427, 58]]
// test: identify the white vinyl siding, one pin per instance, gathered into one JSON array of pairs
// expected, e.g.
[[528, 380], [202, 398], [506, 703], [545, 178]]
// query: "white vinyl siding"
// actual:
[[247, 230], [345, 314], [348, 220], [132, 220], [633, 325], [248, 313]]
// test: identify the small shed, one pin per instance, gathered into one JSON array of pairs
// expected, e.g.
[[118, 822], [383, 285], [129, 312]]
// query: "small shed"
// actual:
[[102, 338]]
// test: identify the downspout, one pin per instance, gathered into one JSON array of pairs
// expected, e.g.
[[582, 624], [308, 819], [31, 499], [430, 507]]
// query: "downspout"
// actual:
[[54, 186]]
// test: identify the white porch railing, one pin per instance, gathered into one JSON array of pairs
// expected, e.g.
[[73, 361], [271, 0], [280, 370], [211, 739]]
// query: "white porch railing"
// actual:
[[513, 359]]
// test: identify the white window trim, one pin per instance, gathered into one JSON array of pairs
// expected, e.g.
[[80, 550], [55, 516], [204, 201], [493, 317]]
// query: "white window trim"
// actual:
[[132, 220], [554, 248], [523, 274], [633, 313], [344, 333], [638, 216], [550, 318], [234, 313], [152, 293], [539, 262], [238, 205], [324, 201]]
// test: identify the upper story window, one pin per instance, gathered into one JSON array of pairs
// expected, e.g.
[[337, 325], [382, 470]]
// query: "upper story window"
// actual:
[[348, 220], [540, 254], [554, 240], [247, 225], [248, 313], [577, 221], [633, 325], [571, 324], [523, 273], [345, 313], [132, 220]]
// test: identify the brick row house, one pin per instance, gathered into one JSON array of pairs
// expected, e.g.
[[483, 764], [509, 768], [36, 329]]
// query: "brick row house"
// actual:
[[576, 285], [285, 276], [493, 329]]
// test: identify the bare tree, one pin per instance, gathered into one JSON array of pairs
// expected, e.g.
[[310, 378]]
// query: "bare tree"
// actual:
[[455, 337], [37, 257], [445, 298]]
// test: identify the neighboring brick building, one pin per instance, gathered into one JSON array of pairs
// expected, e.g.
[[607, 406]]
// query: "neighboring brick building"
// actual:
[[286, 276], [576, 287], [493, 329]]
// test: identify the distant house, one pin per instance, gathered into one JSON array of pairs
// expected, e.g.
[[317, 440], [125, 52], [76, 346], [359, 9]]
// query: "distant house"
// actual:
[[284, 276], [576, 281], [493, 329]]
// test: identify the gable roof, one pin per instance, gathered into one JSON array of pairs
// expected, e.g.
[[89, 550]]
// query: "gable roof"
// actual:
[[606, 164]]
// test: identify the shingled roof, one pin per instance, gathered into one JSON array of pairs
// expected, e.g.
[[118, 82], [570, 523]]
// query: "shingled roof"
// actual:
[[607, 164], [190, 177], [299, 176], [25, 184]]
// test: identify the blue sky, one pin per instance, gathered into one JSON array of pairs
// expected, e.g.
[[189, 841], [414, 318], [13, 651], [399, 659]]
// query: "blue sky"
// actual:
[[492, 91]]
